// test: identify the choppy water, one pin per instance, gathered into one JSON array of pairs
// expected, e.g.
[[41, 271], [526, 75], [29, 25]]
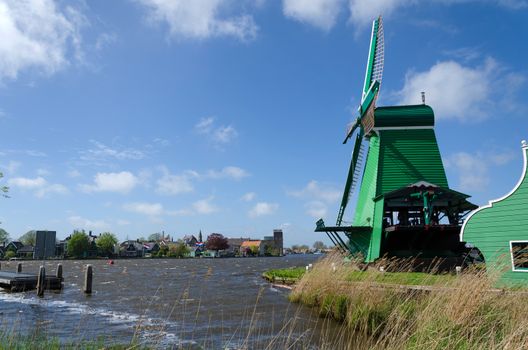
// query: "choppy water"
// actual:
[[168, 303]]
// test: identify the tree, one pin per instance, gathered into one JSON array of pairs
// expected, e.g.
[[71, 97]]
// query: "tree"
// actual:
[[4, 236], [163, 251], [304, 248], [78, 244], [10, 254], [318, 245], [106, 242], [29, 238], [3, 189], [178, 250], [270, 250], [155, 237], [254, 250], [216, 241]]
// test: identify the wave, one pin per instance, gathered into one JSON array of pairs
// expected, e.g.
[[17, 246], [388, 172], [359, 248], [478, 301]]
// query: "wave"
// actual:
[[155, 328]]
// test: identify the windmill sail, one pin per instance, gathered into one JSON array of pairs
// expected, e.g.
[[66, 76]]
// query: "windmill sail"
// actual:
[[374, 70], [373, 76], [365, 120]]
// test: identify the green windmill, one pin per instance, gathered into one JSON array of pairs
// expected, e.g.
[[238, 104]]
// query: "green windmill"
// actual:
[[404, 207]]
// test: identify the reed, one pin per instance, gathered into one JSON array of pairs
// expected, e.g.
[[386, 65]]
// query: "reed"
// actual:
[[441, 312]]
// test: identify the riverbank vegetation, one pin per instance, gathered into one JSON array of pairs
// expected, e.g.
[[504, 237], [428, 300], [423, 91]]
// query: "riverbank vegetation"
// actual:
[[19, 342], [441, 312], [285, 276]]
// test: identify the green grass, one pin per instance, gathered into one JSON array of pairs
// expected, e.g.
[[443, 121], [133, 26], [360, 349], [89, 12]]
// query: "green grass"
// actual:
[[10, 341], [399, 278], [21, 343], [291, 274]]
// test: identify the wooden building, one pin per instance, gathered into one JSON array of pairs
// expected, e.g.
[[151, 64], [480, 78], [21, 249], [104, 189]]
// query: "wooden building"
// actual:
[[500, 231]]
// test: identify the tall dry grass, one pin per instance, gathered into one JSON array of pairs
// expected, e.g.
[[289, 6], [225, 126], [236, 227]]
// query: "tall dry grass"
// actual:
[[444, 312]]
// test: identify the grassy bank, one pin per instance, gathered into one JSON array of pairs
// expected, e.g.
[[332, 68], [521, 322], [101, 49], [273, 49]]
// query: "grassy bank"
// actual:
[[453, 312], [284, 276], [32, 343]]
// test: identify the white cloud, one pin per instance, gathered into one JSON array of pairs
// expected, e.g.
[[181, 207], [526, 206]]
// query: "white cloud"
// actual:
[[219, 135], [204, 206], [27, 183], [104, 40], [200, 19], [473, 170], [39, 35], [79, 222], [174, 184], [52, 188], [454, 91], [101, 153], [205, 125], [74, 173], [514, 4], [225, 134], [230, 172], [11, 167], [170, 184], [248, 197], [122, 182], [319, 13], [314, 191], [149, 209], [316, 209], [363, 12], [318, 196], [41, 187], [263, 208]]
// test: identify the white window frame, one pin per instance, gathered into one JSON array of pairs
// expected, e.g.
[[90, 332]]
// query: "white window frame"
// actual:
[[511, 255]]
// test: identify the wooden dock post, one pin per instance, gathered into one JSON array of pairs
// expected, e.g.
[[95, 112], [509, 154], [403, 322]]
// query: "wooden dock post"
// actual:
[[19, 268], [41, 281], [59, 271], [59, 275], [88, 278]]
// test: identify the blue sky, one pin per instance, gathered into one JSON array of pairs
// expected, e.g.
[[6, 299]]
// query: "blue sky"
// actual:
[[227, 116]]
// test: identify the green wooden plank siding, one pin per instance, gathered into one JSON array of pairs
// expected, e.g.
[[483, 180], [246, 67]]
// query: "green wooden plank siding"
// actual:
[[365, 204], [377, 231], [359, 243], [409, 156], [397, 116], [492, 228]]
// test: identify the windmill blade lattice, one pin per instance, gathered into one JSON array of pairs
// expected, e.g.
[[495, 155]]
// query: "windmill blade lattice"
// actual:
[[379, 56]]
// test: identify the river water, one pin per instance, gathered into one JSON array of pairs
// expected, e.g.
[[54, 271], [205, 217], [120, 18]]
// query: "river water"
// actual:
[[169, 303]]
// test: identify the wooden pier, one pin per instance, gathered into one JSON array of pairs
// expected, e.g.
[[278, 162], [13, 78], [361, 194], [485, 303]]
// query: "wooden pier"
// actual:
[[19, 282]]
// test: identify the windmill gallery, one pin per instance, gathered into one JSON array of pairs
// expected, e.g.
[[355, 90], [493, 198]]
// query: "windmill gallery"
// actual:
[[405, 208]]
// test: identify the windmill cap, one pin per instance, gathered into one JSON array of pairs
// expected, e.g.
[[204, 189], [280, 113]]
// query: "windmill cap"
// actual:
[[524, 143], [404, 116]]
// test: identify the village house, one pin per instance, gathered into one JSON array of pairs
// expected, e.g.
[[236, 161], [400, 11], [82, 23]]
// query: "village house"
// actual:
[[235, 244], [26, 252], [131, 249], [250, 248], [14, 246], [151, 248], [190, 241]]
